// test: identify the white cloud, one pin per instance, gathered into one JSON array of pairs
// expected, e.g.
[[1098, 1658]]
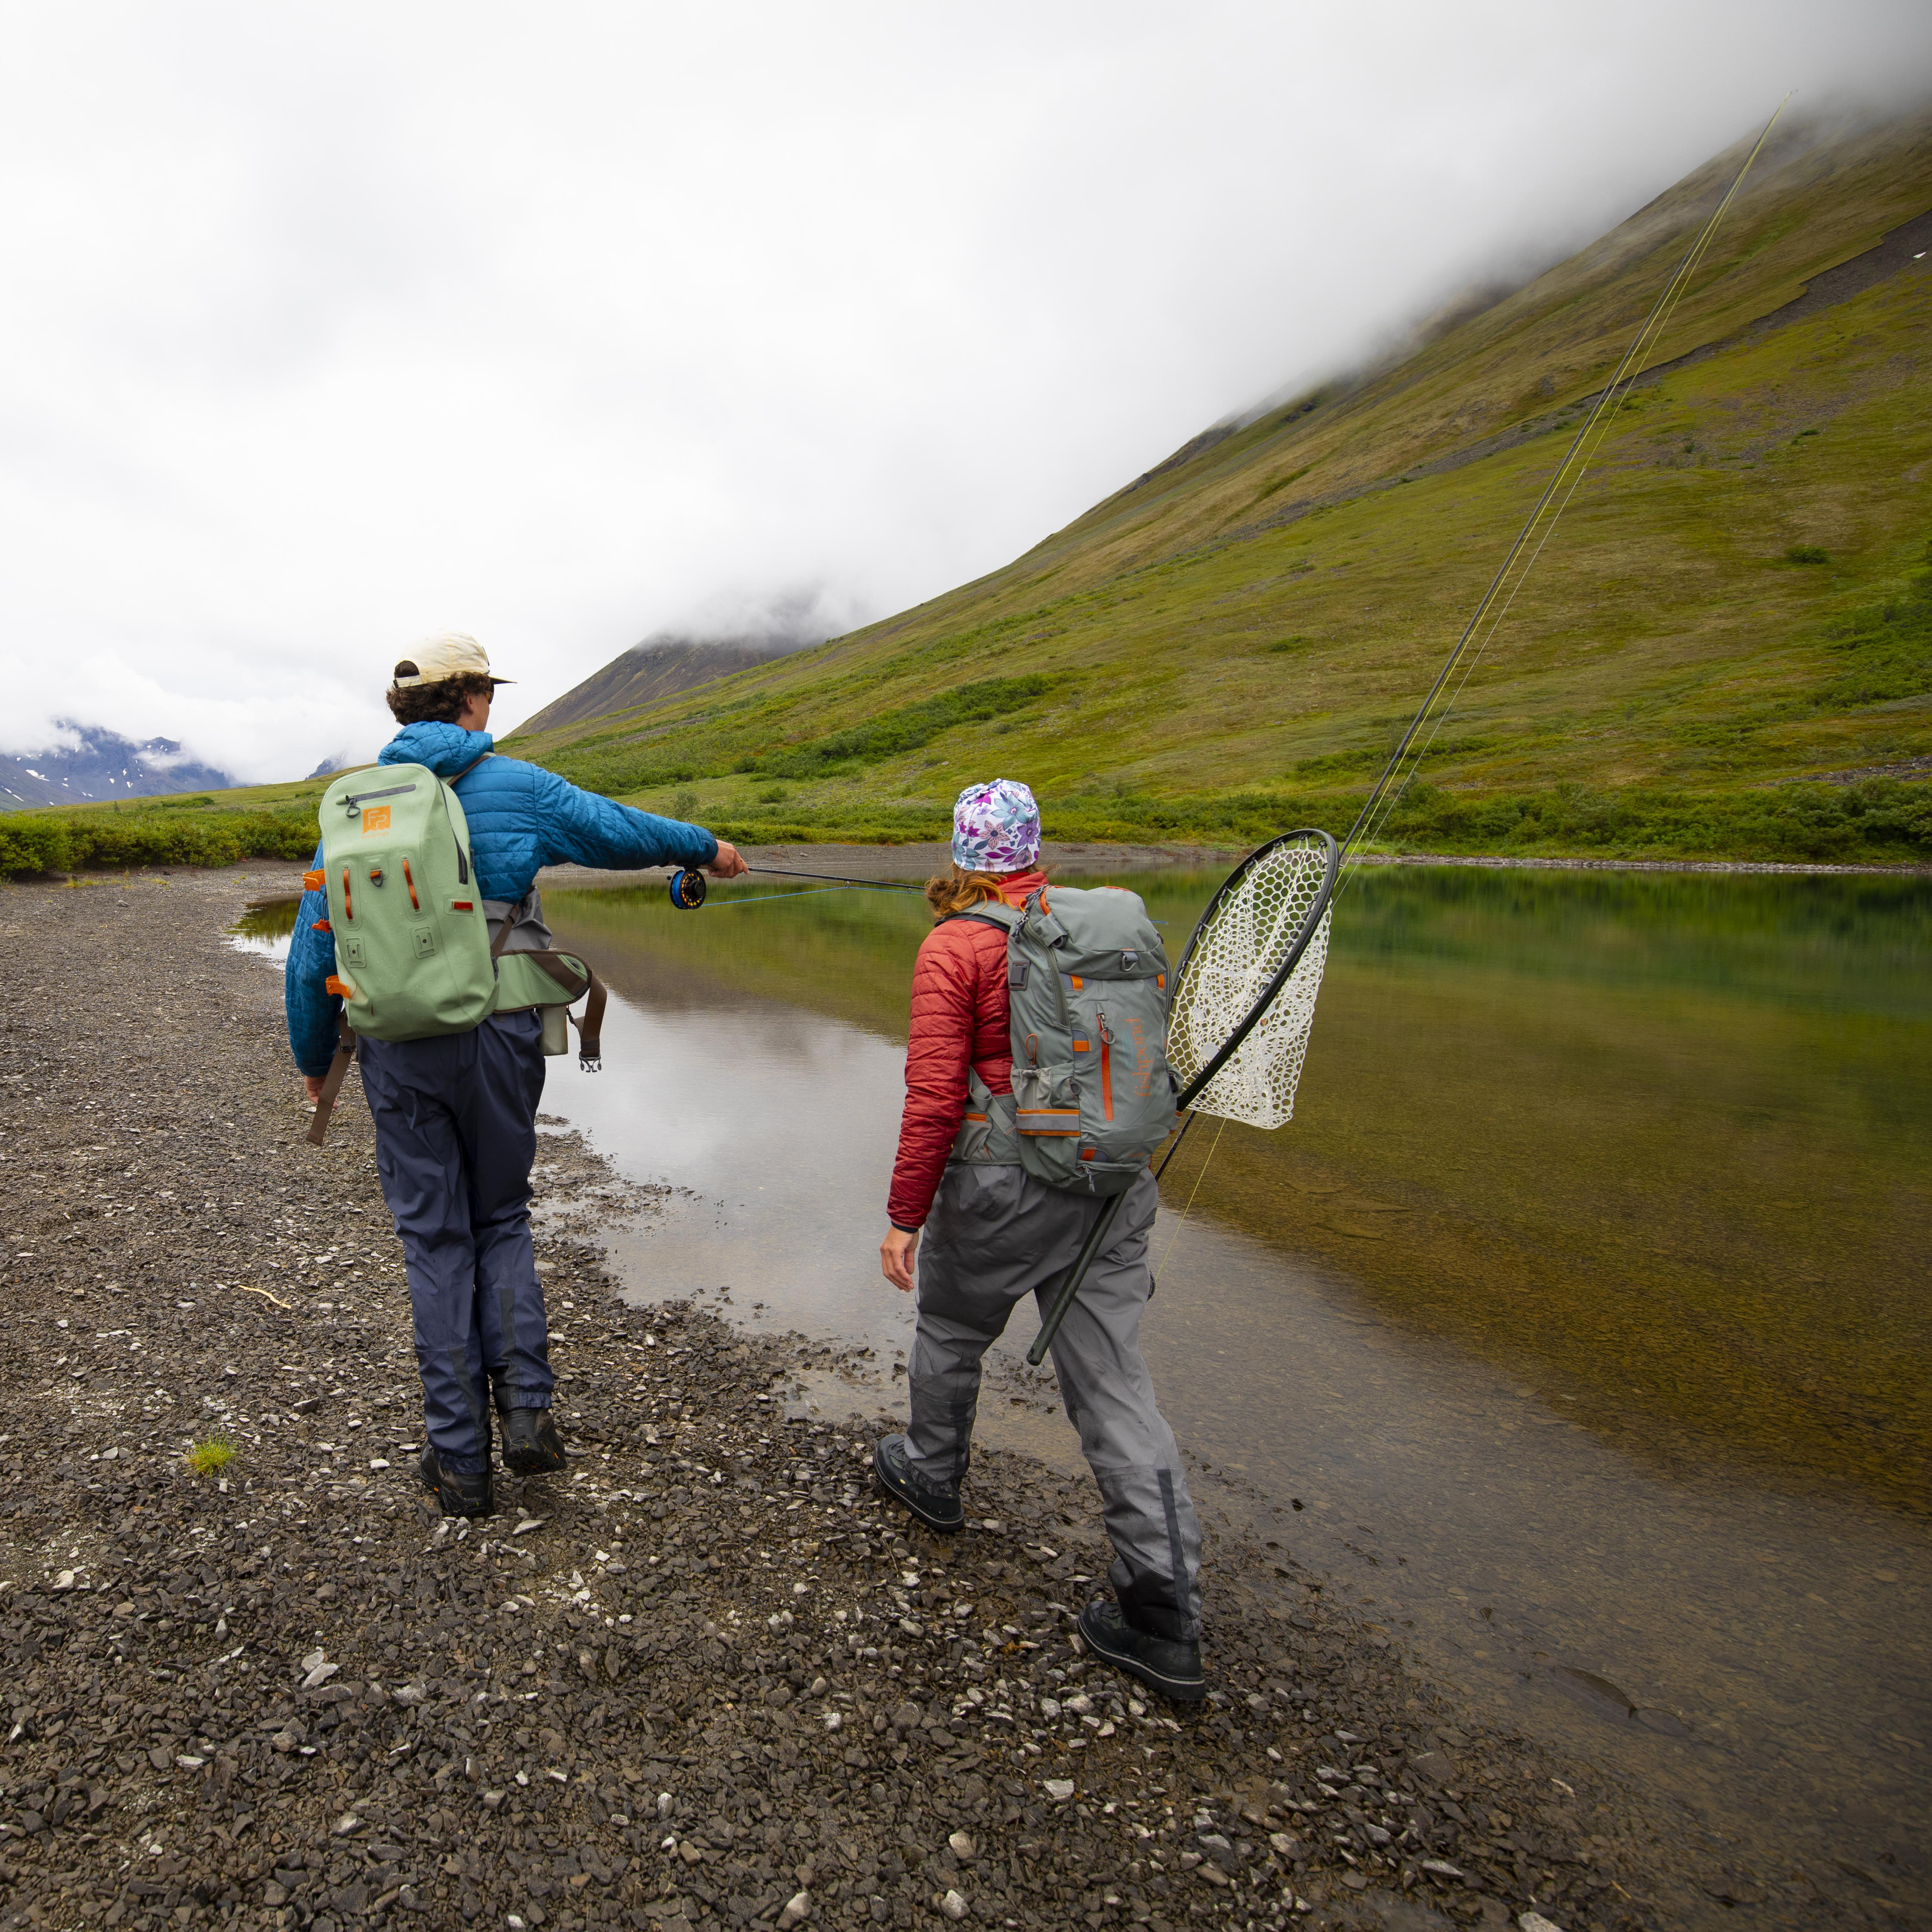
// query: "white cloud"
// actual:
[[326, 326]]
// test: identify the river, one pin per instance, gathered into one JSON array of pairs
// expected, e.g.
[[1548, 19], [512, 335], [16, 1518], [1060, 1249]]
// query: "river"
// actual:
[[1577, 1326]]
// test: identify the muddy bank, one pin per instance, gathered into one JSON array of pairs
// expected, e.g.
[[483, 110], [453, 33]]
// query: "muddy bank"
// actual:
[[706, 1678]]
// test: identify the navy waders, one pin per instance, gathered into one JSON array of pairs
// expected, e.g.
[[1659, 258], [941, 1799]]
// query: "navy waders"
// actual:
[[455, 1138]]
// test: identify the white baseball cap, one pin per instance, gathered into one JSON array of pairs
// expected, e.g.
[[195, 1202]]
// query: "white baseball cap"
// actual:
[[448, 654]]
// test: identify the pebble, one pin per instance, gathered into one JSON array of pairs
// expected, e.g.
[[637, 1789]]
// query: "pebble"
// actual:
[[494, 1718]]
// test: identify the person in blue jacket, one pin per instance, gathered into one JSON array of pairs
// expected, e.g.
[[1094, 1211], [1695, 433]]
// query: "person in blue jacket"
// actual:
[[456, 1115]]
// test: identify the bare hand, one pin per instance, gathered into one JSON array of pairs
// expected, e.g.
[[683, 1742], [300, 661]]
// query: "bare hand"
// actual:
[[727, 864], [312, 1083], [896, 1253]]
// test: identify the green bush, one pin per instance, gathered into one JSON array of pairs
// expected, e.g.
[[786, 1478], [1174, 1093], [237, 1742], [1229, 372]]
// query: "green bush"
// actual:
[[168, 835]]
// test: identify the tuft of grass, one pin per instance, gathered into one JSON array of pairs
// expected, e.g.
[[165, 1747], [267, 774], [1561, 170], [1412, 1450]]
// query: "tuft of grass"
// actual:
[[211, 1455], [1808, 554]]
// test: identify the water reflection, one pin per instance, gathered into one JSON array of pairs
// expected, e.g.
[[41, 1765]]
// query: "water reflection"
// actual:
[[266, 929], [1568, 1326], [1657, 1145], [1576, 1324]]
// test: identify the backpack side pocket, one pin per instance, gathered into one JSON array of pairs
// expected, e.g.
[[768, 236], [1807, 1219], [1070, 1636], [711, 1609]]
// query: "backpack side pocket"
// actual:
[[1046, 1111]]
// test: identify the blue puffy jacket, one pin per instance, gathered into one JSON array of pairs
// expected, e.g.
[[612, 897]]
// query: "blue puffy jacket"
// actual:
[[521, 819]]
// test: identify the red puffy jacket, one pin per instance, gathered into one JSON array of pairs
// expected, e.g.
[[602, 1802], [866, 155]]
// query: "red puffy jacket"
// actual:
[[960, 1018]]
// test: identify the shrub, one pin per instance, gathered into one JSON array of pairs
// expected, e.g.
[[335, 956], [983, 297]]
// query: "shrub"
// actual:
[[109, 836]]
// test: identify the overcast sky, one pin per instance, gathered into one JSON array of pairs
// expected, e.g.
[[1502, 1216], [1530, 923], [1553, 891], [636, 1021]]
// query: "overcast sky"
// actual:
[[322, 327]]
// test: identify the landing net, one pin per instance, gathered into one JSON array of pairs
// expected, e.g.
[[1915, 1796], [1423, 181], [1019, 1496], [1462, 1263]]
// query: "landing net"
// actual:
[[1272, 915]]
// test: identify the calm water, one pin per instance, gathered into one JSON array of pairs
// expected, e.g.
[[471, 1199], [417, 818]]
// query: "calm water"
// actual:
[[1579, 1319]]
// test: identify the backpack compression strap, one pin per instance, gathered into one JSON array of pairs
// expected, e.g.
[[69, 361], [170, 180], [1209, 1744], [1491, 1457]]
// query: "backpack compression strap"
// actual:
[[332, 1085]]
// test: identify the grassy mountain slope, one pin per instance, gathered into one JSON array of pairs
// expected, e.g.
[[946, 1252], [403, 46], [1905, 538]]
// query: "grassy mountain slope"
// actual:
[[1234, 638], [1726, 650], [649, 673]]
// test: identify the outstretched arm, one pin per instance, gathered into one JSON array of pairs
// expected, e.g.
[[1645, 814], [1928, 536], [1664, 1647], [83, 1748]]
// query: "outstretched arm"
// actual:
[[583, 828]]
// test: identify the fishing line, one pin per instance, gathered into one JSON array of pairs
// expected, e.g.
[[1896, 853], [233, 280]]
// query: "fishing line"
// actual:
[[1386, 793], [771, 898], [1600, 417], [837, 878], [1212, 1146]]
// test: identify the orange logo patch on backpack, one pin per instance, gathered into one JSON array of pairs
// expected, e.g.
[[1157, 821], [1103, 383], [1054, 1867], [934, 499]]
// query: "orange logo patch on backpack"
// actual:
[[375, 819]]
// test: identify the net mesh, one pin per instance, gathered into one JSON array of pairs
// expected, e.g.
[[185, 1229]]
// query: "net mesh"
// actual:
[[1235, 957]]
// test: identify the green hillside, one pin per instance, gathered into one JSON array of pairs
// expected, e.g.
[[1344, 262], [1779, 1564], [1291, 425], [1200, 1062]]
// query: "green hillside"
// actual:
[[1233, 640], [1726, 650]]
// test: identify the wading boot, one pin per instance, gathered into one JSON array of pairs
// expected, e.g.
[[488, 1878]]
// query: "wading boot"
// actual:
[[937, 1509], [459, 1494], [532, 1447], [1165, 1664]]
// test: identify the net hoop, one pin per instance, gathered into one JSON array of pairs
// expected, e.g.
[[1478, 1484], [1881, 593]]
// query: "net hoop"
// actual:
[[1313, 922]]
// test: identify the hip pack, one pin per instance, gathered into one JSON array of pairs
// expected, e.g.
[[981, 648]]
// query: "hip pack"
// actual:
[[1093, 1097], [413, 954]]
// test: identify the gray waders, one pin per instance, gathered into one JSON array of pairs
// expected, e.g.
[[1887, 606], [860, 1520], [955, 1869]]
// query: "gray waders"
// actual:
[[995, 1234]]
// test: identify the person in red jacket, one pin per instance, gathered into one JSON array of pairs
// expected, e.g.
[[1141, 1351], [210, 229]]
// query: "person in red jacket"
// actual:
[[993, 1233]]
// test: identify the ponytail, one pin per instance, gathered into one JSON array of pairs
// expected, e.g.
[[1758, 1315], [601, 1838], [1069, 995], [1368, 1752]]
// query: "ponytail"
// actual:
[[956, 891]]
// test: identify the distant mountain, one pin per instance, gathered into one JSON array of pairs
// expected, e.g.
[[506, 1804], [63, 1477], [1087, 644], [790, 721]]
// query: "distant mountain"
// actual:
[[658, 668], [105, 765], [336, 761]]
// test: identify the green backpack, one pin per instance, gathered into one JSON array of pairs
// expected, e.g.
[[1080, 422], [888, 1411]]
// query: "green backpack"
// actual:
[[1093, 1094], [412, 939], [413, 956]]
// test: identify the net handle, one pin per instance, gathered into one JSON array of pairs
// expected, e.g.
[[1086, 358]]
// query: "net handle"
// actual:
[[1331, 867]]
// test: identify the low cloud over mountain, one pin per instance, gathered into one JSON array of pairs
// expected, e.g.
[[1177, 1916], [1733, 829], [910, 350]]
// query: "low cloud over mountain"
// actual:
[[101, 765]]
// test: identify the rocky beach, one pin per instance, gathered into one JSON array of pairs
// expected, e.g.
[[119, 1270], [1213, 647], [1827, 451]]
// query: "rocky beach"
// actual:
[[706, 1677]]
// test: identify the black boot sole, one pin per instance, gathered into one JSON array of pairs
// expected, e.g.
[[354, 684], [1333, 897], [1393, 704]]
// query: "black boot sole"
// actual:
[[1176, 1689], [945, 1525]]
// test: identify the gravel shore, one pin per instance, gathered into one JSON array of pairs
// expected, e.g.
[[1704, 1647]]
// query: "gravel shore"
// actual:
[[706, 1677]]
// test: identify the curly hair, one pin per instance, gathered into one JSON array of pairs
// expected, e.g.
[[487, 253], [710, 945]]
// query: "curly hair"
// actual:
[[956, 891], [437, 704]]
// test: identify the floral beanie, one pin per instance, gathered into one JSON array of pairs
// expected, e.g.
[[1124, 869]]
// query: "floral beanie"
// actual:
[[995, 828]]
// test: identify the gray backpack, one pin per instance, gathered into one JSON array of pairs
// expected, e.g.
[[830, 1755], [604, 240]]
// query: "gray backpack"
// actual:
[[1093, 1095]]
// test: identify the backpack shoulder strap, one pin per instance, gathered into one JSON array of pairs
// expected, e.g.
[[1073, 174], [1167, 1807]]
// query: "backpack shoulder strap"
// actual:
[[1006, 925], [469, 768]]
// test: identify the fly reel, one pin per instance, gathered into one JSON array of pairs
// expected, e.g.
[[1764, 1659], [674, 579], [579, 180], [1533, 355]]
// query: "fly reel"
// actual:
[[687, 889]]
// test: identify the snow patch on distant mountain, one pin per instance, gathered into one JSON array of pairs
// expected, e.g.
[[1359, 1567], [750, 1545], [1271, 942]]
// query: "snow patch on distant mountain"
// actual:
[[99, 765]]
